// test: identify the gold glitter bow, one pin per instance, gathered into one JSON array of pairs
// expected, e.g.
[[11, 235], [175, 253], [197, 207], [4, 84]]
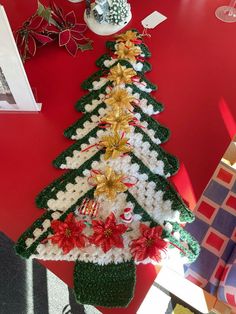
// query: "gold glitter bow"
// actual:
[[127, 51], [120, 99], [118, 120], [129, 35], [115, 146], [109, 183], [121, 75]]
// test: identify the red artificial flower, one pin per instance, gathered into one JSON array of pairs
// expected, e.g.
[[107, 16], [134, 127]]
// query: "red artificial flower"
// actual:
[[48, 24], [68, 234], [150, 244], [107, 234], [31, 34], [70, 32]]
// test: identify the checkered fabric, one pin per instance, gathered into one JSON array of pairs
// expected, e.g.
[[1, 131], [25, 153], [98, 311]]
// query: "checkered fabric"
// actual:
[[215, 229], [227, 288]]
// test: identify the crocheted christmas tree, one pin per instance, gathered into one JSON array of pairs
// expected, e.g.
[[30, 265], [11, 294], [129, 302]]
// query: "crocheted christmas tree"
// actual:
[[114, 207]]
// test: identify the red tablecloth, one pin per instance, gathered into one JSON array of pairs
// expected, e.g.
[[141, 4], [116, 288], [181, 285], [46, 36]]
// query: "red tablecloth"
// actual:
[[193, 59]]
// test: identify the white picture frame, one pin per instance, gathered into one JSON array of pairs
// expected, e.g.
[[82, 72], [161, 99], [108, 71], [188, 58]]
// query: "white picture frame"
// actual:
[[15, 90]]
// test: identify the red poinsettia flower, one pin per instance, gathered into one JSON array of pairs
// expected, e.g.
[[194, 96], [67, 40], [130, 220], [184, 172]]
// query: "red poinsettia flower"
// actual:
[[31, 34], [68, 234], [66, 27], [107, 234], [150, 244]]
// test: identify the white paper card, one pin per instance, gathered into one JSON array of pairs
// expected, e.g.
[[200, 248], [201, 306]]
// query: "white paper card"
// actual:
[[15, 90], [153, 20]]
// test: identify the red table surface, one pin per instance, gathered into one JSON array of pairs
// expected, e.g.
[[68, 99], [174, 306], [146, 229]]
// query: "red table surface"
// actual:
[[193, 60]]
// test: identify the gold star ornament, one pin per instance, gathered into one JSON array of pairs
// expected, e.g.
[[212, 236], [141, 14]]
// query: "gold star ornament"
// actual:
[[121, 75]]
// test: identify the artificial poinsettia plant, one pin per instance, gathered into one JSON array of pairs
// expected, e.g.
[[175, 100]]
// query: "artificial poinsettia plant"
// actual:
[[49, 24]]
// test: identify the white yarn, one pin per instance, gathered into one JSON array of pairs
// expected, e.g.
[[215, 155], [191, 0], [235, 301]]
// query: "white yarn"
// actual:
[[99, 84], [143, 192], [65, 199], [91, 252], [168, 227], [141, 150], [94, 104], [103, 80], [138, 66], [144, 105]]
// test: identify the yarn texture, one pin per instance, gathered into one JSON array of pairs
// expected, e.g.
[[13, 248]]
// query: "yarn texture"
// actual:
[[114, 207]]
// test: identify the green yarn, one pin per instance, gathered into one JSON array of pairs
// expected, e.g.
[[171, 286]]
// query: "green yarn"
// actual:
[[109, 285], [161, 132], [71, 130], [194, 246], [193, 249], [20, 246]]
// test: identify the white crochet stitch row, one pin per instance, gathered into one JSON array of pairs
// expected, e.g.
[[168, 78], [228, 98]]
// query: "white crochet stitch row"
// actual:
[[143, 102], [90, 125], [92, 253], [103, 80], [144, 191], [141, 150]]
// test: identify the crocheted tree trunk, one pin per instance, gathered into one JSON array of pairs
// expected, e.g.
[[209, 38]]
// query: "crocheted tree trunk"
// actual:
[[114, 207]]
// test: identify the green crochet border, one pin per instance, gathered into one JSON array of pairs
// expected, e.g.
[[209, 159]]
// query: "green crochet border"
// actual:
[[170, 194], [71, 130], [87, 84], [186, 237], [194, 248], [109, 285], [57, 185], [161, 132], [100, 63], [20, 246], [94, 95]]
